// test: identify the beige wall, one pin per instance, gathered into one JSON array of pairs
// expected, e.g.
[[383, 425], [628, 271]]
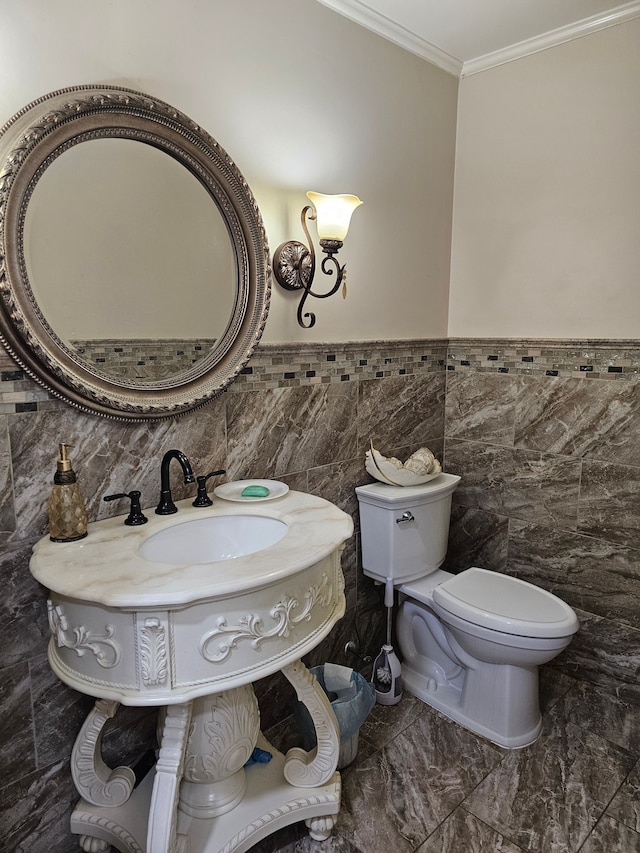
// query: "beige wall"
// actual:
[[547, 175], [302, 99], [547, 194]]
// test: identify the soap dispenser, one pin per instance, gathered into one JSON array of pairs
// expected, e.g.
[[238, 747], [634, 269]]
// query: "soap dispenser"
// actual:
[[67, 512]]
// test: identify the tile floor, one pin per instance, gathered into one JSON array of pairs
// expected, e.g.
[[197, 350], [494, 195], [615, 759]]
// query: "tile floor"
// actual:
[[422, 784]]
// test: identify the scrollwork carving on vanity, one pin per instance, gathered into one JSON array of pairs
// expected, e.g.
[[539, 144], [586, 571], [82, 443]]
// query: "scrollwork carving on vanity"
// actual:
[[250, 626], [81, 640]]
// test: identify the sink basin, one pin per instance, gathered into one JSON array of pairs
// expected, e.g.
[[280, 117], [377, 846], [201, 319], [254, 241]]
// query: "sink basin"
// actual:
[[210, 540]]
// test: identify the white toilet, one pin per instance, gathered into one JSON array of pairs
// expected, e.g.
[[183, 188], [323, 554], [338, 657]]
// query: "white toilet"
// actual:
[[471, 643]]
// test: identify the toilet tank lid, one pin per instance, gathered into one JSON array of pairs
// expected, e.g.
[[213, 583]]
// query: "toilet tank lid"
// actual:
[[506, 604], [382, 494]]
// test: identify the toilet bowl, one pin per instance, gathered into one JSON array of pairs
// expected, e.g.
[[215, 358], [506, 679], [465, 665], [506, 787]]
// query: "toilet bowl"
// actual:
[[487, 634], [471, 643]]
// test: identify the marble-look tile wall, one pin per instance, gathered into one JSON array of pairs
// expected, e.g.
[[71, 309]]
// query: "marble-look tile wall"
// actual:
[[303, 414], [546, 437]]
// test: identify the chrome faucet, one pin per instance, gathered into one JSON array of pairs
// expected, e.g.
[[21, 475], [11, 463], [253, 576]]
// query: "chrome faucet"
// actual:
[[166, 505]]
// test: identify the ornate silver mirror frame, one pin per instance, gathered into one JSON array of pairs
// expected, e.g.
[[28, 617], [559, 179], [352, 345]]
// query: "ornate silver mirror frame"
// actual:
[[32, 140]]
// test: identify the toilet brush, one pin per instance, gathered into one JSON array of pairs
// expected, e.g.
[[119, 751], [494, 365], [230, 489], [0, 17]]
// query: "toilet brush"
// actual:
[[387, 672]]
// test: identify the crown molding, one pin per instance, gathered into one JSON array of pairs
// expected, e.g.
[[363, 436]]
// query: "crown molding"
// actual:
[[585, 27], [362, 14]]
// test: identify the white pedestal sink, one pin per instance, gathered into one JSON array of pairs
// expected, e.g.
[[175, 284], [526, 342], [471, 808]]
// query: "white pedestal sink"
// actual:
[[184, 613]]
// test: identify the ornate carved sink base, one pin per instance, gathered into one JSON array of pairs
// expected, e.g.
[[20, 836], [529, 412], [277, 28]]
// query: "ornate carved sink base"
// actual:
[[199, 797], [191, 640]]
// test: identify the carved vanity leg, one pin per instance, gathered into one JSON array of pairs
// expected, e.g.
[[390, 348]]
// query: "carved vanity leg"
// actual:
[[312, 769], [102, 818], [95, 782], [162, 834], [309, 769]]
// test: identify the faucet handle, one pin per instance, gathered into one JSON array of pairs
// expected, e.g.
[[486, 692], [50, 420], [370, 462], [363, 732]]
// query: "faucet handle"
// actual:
[[202, 498], [135, 516]]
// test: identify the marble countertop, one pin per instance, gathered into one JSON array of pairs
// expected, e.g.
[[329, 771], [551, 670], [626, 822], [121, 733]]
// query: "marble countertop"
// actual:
[[106, 568]]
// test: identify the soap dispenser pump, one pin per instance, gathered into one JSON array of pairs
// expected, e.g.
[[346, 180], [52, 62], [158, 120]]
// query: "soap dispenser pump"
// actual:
[[67, 512]]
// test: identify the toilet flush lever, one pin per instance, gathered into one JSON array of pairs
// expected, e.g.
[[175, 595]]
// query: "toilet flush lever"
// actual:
[[405, 518]]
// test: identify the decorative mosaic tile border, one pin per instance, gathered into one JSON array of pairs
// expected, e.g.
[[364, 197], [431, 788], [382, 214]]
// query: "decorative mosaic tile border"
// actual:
[[19, 393], [273, 366], [589, 359], [291, 365]]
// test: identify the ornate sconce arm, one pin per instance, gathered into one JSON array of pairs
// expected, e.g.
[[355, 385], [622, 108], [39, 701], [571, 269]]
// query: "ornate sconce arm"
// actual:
[[294, 264]]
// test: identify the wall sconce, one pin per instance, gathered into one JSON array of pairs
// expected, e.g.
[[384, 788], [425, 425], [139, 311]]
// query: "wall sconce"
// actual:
[[294, 264]]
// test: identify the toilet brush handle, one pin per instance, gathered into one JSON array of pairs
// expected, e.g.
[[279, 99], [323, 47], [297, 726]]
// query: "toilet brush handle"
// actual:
[[388, 593], [389, 625]]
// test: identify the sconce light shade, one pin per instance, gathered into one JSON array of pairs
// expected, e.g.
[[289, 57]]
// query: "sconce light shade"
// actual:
[[294, 264], [333, 214]]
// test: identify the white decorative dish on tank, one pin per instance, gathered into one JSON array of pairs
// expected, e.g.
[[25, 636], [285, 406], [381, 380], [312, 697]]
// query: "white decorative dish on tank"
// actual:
[[419, 468]]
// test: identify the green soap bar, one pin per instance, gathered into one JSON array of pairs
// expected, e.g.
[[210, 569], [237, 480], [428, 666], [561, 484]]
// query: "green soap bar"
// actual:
[[255, 492]]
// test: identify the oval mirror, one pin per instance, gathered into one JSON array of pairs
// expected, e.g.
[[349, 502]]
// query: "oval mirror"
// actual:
[[134, 266]]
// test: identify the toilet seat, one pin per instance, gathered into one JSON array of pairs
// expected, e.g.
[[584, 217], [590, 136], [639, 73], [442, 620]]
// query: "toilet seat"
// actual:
[[503, 603]]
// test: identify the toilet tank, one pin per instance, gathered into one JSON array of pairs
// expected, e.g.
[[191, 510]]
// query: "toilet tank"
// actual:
[[404, 531]]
